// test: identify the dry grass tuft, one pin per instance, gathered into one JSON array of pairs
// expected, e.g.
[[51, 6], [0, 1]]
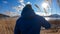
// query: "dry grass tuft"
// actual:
[[7, 25]]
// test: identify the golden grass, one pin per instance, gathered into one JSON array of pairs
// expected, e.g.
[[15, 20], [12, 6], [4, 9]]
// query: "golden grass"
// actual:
[[54, 30], [7, 26]]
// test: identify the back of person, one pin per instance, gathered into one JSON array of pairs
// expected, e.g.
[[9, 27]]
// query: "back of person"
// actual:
[[29, 22], [30, 26]]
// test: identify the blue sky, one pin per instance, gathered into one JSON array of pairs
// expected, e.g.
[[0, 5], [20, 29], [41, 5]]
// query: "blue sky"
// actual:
[[14, 7]]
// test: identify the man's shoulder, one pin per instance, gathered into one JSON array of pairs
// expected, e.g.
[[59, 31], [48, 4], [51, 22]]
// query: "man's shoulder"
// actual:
[[39, 16]]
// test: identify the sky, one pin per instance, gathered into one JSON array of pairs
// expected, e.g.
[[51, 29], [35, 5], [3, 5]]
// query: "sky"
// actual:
[[14, 7]]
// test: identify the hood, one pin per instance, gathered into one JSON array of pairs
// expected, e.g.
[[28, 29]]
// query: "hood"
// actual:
[[27, 11]]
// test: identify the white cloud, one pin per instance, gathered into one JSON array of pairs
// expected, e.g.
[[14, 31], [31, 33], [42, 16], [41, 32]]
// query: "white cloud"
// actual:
[[38, 13], [5, 2], [18, 8], [42, 14], [28, 2], [11, 14], [22, 2]]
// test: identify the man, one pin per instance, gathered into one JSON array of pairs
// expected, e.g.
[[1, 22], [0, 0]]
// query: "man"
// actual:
[[29, 22]]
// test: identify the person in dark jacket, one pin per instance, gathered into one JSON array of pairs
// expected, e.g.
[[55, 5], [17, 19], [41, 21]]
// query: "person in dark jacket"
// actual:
[[29, 22]]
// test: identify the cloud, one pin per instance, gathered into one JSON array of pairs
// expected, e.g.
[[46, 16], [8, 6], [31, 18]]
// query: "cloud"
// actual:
[[11, 14], [28, 2], [20, 7], [42, 14], [38, 13], [22, 2], [5, 2]]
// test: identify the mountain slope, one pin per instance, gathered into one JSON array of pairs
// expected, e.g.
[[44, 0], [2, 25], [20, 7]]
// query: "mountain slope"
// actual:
[[2, 15]]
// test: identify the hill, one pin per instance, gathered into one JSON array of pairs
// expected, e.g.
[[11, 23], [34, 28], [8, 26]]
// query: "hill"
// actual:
[[2, 15], [53, 16]]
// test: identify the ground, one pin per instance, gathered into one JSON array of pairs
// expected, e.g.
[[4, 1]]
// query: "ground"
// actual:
[[7, 27]]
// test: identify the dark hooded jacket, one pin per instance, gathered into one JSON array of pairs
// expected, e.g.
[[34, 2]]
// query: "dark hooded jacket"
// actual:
[[29, 22]]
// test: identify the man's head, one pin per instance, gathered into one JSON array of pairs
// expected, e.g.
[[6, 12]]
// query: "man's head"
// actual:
[[27, 11], [29, 6]]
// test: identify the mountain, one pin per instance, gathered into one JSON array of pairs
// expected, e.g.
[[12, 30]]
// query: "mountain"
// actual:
[[53, 16], [2, 15]]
